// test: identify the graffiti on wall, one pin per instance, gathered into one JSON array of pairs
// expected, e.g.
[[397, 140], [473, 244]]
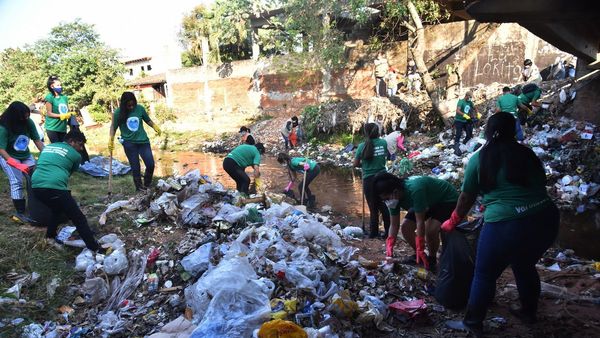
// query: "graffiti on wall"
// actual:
[[497, 63]]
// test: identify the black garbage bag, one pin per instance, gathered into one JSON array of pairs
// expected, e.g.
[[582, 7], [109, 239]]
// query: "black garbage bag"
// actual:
[[457, 265]]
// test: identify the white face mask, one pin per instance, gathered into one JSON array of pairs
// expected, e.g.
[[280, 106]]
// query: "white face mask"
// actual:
[[392, 204]]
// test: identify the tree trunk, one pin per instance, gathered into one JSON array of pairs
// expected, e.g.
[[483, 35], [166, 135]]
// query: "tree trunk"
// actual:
[[417, 50]]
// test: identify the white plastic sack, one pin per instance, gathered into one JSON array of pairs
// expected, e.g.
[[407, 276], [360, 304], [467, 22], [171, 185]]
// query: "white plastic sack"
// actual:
[[199, 260], [166, 203], [313, 231], [230, 214], [116, 263], [84, 259], [353, 232], [190, 208]]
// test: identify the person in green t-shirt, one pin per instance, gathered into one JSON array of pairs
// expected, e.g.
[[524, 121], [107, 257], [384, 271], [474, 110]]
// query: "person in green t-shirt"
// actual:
[[463, 120], [50, 186], [509, 103], [371, 156], [129, 118], [16, 130], [238, 160], [521, 221], [57, 111], [428, 200], [301, 165]]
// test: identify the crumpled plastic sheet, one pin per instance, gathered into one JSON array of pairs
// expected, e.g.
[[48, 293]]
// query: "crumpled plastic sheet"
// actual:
[[190, 213], [314, 231], [230, 213], [114, 206], [166, 203], [135, 274], [99, 167], [229, 300], [199, 260]]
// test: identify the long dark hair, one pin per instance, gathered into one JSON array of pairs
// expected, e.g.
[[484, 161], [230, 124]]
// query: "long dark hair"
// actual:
[[371, 132], [124, 113], [283, 158], [503, 150], [49, 83], [385, 183], [14, 117]]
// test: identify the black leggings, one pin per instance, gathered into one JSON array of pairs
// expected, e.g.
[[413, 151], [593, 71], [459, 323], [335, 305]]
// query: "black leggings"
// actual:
[[61, 202], [242, 181], [376, 206], [55, 136], [310, 176]]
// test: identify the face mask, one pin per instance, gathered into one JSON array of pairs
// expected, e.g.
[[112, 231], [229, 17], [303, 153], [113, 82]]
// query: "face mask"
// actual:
[[392, 204], [58, 90]]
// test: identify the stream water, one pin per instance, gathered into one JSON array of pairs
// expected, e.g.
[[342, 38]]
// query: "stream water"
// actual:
[[341, 188]]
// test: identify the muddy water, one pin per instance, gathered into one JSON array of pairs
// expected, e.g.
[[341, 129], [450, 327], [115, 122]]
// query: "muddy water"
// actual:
[[341, 189], [338, 188]]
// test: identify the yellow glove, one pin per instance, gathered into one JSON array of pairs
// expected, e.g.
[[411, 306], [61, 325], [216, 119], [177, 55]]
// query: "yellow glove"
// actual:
[[64, 117], [479, 116], [111, 145], [258, 183], [467, 117], [156, 129], [529, 111]]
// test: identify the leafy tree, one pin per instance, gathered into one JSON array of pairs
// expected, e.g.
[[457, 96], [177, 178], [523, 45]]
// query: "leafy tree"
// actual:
[[21, 76]]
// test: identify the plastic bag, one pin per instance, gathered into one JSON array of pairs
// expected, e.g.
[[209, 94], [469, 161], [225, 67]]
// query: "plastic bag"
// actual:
[[314, 231], [353, 232], [190, 214], [116, 263], [166, 203], [84, 259], [135, 274], [199, 260], [230, 214], [94, 290]]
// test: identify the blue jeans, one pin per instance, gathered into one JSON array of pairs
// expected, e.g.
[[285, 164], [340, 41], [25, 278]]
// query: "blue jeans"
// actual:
[[519, 130], [134, 151], [519, 243]]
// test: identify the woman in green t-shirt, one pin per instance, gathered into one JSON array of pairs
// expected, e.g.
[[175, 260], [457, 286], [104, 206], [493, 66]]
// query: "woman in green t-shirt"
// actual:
[[16, 130], [301, 165], [57, 111], [521, 221], [129, 118], [371, 156]]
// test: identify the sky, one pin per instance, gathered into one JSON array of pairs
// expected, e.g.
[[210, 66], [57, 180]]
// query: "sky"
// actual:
[[136, 27]]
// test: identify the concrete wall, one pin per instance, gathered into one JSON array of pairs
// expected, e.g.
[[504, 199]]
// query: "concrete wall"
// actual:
[[487, 53]]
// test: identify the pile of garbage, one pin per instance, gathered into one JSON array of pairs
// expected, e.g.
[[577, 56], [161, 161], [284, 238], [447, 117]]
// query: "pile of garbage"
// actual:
[[243, 267]]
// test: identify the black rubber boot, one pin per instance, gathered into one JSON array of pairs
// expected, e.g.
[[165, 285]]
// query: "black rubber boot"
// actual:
[[20, 214], [148, 180], [526, 316], [137, 181]]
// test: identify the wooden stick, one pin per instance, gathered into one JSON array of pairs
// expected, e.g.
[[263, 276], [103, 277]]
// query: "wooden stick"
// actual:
[[304, 179]]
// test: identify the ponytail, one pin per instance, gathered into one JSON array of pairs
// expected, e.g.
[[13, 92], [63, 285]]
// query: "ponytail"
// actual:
[[371, 131]]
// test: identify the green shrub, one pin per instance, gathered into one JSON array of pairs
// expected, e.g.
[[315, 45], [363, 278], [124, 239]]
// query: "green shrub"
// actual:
[[164, 113], [99, 113]]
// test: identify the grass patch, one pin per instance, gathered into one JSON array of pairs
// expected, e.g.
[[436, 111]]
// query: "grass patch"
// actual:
[[23, 250], [341, 139]]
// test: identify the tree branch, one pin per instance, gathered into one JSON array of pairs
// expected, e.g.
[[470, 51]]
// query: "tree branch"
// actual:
[[409, 26]]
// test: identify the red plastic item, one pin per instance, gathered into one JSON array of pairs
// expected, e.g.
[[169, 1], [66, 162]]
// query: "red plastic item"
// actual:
[[413, 154], [411, 308], [152, 257]]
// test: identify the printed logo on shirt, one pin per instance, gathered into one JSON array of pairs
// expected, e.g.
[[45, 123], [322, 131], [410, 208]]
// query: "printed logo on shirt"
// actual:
[[467, 109], [63, 108], [133, 123], [21, 143]]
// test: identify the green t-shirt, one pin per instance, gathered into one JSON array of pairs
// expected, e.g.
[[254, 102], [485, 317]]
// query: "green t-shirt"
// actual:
[[423, 192], [245, 155], [508, 103], [132, 129], [531, 96], [56, 163], [377, 163], [60, 105], [17, 145], [465, 107], [507, 201], [295, 164]]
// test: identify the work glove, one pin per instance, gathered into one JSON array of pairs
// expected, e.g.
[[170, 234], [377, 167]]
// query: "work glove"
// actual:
[[22, 167], [467, 117], [289, 186], [65, 116], [451, 223], [389, 246], [400, 142], [479, 116], [306, 166], [156, 129], [111, 145], [258, 183], [529, 111], [421, 256]]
